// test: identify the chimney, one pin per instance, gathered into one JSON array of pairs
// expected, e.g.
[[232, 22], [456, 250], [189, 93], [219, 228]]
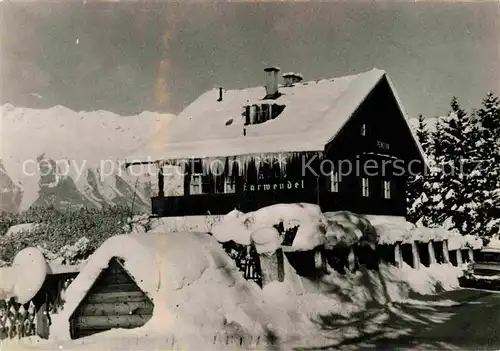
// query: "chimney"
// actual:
[[297, 77], [292, 78], [220, 94], [271, 81]]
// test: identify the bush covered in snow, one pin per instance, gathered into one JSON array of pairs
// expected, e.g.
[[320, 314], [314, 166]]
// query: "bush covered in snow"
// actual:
[[69, 236]]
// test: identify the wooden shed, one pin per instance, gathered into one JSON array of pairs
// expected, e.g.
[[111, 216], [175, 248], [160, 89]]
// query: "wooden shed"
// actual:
[[113, 301]]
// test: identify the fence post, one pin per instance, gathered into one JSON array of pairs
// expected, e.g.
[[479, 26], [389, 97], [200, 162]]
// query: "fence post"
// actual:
[[432, 253], [471, 254], [42, 321], [351, 259], [398, 257], [416, 257], [446, 252], [272, 266], [459, 257]]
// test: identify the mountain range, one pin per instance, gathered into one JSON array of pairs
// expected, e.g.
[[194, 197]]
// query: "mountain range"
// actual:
[[65, 158]]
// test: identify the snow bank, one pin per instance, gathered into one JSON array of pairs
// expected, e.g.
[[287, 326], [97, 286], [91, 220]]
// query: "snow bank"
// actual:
[[239, 226], [494, 243], [473, 242], [455, 241], [392, 232], [424, 234], [266, 240], [310, 301], [234, 226], [347, 228], [25, 277], [391, 229], [204, 295]]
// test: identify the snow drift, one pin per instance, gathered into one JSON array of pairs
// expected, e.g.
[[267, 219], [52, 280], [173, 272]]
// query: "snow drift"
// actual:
[[204, 295], [312, 224], [25, 277]]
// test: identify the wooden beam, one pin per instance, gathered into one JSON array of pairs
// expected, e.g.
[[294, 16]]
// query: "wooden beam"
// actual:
[[446, 252], [432, 253], [398, 257], [115, 297], [124, 321], [351, 259], [116, 308], [416, 257], [459, 257]]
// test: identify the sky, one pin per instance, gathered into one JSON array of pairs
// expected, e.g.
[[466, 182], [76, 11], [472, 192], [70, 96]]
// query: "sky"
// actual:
[[131, 57]]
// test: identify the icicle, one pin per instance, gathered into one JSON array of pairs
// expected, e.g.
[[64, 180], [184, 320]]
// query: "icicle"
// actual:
[[230, 165], [258, 161], [205, 162]]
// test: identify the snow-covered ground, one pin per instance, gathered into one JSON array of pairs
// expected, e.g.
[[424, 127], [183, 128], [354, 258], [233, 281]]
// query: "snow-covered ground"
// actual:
[[82, 152], [202, 301]]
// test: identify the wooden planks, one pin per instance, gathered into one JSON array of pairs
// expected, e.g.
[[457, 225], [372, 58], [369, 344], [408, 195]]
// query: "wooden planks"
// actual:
[[117, 308], [111, 297], [108, 322], [114, 301]]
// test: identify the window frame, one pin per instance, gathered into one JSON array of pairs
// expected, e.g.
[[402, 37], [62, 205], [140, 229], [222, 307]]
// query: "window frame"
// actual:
[[192, 184], [365, 186], [334, 181], [386, 185], [363, 129]]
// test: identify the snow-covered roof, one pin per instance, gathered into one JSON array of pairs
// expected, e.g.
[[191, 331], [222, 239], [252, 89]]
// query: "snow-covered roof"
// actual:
[[313, 115], [157, 263]]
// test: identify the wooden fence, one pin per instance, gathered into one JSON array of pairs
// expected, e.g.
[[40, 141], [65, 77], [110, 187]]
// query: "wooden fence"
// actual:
[[16, 320]]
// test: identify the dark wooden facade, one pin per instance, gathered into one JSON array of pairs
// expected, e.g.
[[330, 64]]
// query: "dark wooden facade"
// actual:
[[376, 142], [114, 301]]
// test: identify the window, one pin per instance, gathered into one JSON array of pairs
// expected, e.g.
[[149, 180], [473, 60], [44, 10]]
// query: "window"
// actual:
[[334, 182], [387, 189], [365, 187], [229, 186], [363, 129], [195, 186]]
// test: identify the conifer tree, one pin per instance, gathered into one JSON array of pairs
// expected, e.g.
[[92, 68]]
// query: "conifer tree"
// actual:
[[432, 185], [423, 134], [416, 199], [452, 157], [488, 117]]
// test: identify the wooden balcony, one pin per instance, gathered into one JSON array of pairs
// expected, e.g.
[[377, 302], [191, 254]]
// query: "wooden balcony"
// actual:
[[216, 204]]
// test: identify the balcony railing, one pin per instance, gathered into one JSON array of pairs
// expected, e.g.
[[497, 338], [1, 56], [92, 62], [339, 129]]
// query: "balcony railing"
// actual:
[[217, 204]]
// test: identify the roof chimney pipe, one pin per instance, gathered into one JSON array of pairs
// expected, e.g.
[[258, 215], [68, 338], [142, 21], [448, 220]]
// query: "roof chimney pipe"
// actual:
[[220, 94], [271, 82], [291, 78]]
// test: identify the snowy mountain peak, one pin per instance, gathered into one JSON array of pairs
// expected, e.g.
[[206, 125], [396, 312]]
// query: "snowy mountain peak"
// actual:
[[75, 155]]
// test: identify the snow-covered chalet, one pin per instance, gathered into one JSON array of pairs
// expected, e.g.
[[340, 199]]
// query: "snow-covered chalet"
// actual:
[[343, 143]]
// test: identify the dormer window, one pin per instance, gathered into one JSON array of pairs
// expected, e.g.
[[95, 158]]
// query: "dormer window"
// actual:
[[256, 114], [363, 129]]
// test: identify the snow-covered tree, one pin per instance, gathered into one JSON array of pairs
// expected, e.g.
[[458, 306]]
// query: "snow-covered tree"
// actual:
[[488, 153], [453, 155], [462, 188], [423, 134], [416, 198], [432, 186]]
